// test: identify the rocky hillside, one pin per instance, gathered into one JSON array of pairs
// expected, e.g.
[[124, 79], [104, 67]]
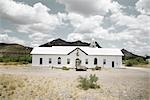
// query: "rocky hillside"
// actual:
[[13, 49], [60, 42], [17, 50], [130, 55]]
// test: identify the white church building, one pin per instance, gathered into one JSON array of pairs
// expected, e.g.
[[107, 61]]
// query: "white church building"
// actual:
[[74, 56]]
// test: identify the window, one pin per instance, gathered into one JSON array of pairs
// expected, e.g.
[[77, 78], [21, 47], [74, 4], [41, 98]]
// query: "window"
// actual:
[[68, 61], [86, 61], [50, 60], [95, 61], [104, 61], [41, 61], [59, 60]]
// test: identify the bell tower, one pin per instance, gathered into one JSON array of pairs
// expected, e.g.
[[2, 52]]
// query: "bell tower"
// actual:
[[92, 44]]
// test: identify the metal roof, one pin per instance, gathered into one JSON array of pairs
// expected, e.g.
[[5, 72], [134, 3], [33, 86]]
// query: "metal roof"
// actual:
[[64, 50]]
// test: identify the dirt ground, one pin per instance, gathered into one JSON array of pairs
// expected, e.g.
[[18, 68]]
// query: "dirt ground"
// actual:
[[129, 83]]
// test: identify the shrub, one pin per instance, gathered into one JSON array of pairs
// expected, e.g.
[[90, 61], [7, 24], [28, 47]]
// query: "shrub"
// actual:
[[128, 63], [23, 62], [93, 69], [98, 68], [146, 62], [87, 83], [24, 59], [131, 62], [65, 68], [140, 60], [135, 61]]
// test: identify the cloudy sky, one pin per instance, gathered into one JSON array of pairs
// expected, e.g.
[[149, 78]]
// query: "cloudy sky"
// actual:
[[113, 23]]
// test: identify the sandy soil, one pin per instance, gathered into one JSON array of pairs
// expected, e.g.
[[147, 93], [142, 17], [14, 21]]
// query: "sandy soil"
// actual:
[[50, 84]]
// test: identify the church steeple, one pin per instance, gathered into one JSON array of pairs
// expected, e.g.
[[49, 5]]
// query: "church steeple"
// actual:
[[92, 44]]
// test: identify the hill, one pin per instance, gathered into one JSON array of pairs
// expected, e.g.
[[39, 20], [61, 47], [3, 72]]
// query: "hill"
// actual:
[[130, 55], [19, 50], [14, 50], [60, 42]]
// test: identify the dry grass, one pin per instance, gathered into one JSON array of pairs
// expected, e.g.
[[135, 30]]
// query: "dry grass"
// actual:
[[46, 84], [45, 88], [144, 66]]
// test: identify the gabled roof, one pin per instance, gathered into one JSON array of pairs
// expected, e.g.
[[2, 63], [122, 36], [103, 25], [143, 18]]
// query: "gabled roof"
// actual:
[[52, 50], [76, 49], [64, 50]]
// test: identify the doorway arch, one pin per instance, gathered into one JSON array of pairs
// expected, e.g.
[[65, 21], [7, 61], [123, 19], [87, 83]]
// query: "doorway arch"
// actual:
[[77, 62]]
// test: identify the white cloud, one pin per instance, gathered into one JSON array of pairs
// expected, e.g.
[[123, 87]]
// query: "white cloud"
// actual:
[[86, 7], [4, 38], [141, 22], [115, 7], [86, 17], [138, 26], [90, 7], [18, 13], [89, 25], [143, 6], [75, 19], [29, 19], [75, 36], [35, 20], [101, 33], [84, 24], [39, 38], [2, 31]]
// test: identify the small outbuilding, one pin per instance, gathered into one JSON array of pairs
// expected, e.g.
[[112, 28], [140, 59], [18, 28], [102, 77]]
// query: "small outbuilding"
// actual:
[[76, 56]]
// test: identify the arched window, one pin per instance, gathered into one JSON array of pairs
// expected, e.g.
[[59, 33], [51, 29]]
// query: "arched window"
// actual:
[[95, 61], [86, 61], [68, 61], [50, 60], [104, 61], [59, 60]]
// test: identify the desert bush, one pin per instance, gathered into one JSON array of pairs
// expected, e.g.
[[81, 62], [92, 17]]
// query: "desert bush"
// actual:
[[88, 82], [65, 68], [139, 60], [93, 69], [98, 68], [135, 61], [131, 62], [22, 59], [23, 62], [128, 63], [146, 62]]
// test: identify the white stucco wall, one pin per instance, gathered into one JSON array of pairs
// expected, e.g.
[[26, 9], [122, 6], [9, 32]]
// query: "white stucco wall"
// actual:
[[72, 56]]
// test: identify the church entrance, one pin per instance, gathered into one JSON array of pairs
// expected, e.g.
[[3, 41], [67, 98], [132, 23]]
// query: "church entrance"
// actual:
[[77, 63]]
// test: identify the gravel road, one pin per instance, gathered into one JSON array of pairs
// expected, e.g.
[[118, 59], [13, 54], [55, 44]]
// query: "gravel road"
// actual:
[[130, 83]]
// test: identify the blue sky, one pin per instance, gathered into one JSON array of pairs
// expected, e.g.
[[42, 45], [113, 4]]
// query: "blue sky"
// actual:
[[112, 23]]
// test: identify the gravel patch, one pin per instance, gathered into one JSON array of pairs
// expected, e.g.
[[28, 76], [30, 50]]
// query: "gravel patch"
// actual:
[[46, 83]]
